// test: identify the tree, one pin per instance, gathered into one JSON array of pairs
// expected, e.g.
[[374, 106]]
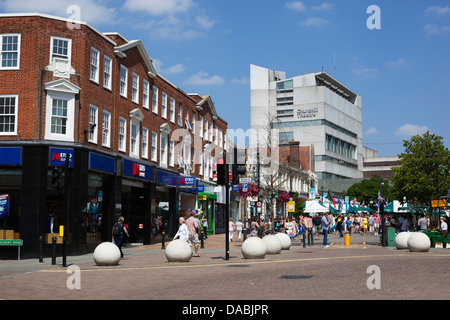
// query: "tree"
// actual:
[[424, 171], [369, 189]]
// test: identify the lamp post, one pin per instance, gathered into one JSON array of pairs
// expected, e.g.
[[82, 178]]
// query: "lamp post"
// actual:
[[435, 155]]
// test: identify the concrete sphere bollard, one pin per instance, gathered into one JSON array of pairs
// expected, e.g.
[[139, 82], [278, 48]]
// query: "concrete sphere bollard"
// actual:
[[273, 244], [285, 240], [401, 240], [106, 254], [419, 242], [253, 248], [178, 251]]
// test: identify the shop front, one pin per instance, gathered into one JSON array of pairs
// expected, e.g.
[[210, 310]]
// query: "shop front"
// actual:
[[206, 202]]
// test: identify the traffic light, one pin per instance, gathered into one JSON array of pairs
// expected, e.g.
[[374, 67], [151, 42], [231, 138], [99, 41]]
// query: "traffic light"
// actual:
[[222, 172], [238, 169], [56, 178]]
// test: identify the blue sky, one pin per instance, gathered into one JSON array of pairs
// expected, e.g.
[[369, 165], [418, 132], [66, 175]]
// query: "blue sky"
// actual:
[[402, 71]]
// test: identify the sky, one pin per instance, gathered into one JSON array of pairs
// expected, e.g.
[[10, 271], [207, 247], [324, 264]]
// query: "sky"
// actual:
[[396, 57]]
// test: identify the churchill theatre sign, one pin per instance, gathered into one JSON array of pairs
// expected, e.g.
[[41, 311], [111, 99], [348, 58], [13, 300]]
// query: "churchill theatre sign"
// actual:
[[308, 113]]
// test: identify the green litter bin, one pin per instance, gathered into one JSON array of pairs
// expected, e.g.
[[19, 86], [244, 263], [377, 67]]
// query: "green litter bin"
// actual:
[[391, 237]]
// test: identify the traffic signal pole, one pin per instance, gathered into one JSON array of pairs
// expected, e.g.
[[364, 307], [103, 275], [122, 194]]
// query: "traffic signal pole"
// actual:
[[227, 217]]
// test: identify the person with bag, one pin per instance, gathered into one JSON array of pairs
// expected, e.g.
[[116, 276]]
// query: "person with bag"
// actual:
[[118, 233]]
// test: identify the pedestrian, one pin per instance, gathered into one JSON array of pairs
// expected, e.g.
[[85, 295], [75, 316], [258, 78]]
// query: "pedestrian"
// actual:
[[325, 224], [309, 229], [254, 228], [205, 227], [239, 226], [232, 226], [444, 231], [349, 223], [370, 220], [340, 224], [422, 223], [317, 222], [192, 226], [182, 231], [119, 231], [376, 224]]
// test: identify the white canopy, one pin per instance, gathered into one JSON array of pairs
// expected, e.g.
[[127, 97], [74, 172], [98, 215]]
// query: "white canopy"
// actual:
[[314, 206]]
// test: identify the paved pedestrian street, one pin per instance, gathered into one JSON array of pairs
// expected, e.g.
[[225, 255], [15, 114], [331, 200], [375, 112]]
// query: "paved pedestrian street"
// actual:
[[362, 271]]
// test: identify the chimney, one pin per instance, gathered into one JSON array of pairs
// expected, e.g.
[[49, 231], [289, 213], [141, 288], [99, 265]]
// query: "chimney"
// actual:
[[294, 154]]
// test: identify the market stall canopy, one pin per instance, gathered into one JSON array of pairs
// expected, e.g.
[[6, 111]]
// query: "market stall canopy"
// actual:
[[314, 207], [396, 206]]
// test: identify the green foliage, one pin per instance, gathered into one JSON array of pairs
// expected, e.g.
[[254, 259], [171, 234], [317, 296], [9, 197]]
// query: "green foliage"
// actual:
[[424, 171], [368, 190]]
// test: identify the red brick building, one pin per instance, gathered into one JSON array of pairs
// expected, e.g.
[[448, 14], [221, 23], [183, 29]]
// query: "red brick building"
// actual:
[[130, 134]]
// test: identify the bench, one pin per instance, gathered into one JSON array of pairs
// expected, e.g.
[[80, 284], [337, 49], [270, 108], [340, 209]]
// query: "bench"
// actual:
[[13, 243]]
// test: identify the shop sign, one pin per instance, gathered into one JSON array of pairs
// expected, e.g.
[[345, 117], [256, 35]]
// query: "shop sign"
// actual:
[[58, 156], [167, 178], [102, 163], [10, 155], [4, 205], [200, 188], [137, 170], [202, 198], [186, 181]]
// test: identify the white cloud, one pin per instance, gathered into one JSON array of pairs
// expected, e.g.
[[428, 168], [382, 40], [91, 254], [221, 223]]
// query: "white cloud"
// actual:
[[323, 6], [371, 131], [397, 63], [178, 68], [90, 11], [409, 130], [434, 29], [205, 22], [158, 7], [170, 27], [242, 80], [314, 22], [203, 78], [296, 6], [366, 72], [438, 10]]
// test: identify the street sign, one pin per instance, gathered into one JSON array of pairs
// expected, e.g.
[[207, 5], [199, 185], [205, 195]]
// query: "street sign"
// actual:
[[438, 203], [244, 187], [245, 180], [291, 206], [11, 242], [258, 204]]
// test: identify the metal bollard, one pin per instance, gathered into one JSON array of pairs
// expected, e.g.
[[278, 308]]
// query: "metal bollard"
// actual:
[[304, 239], [53, 250], [163, 244], [201, 240], [244, 233], [41, 245]]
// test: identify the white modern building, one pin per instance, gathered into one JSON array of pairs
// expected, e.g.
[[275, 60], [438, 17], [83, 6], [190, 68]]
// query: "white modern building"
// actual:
[[314, 109]]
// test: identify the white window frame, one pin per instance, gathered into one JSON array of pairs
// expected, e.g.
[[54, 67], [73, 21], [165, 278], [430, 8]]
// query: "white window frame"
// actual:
[[200, 131], [123, 83], [200, 167], [163, 149], [16, 107], [94, 65], [145, 142], [93, 124], [106, 129], [154, 150], [134, 140], [135, 88], [180, 114], [107, 72], [172, 110], [155, 100], [4, 35], [164, 105], [70, 98], [206, 130], [122, 126], [145, 94], [211, 132], [171, 153], [69, 49]]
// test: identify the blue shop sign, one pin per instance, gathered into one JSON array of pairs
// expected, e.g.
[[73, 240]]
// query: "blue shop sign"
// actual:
[[58, 156], [167, 178], [137, 170], [10, 156], [4, 205], [201, 188], [186, 181], [102, 163]]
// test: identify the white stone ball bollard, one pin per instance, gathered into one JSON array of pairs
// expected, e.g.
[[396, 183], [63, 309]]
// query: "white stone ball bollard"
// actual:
[[419, 242], [285, 240], [178, 251], [106, 254], [253, 248], [401, 240], [273, 244]]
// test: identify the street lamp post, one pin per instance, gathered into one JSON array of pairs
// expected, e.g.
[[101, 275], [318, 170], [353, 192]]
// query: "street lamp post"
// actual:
[[435, 155]]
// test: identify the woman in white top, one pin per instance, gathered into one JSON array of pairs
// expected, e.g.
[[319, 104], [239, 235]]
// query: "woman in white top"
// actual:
[[182, 231]]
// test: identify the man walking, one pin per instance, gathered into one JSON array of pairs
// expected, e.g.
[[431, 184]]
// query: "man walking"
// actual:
[[340, 224], [325, 222], [192, 226]]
